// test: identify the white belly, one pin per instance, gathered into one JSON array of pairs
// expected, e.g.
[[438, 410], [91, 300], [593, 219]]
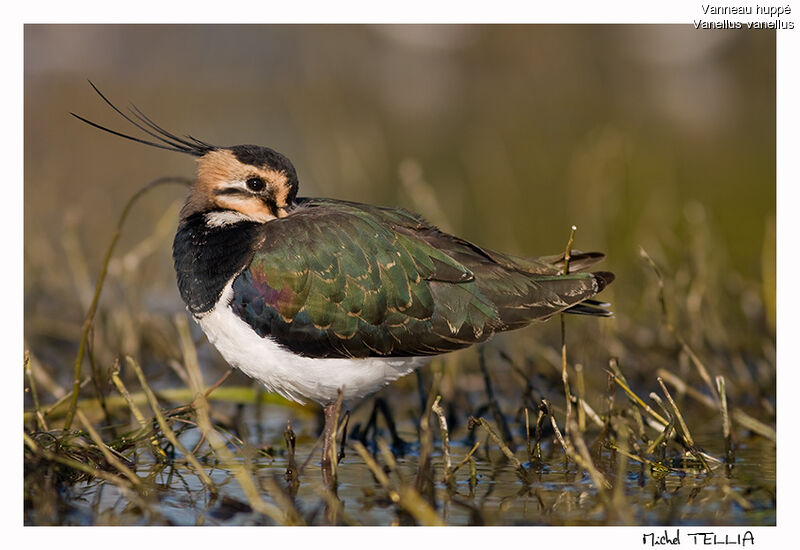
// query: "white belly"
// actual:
[[292, 376]]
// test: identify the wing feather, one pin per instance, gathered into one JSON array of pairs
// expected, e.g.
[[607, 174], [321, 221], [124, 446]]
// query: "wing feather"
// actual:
[[339, 279]]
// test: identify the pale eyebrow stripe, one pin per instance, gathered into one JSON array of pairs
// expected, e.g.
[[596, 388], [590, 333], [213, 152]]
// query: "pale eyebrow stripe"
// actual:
[[229, 191]]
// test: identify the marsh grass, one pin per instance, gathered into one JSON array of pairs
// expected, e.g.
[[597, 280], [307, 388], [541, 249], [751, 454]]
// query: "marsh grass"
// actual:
[[604, 443]]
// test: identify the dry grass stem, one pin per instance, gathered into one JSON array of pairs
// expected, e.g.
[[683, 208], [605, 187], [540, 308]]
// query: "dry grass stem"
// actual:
[[613, 364], [562, 318], [240, 472], [376, 470], [735, 496], [219, 382], [528, 445], [568, 249], [467, 458], [745, 420], [726, 421], [593, 416], [45, 381], [63, 400], [388, 456], [677, 413], [500, 443], [618, 493], [34, 393], [580, 454], [232, 394], [405, 496], [557, 433], [699, 365], [89, 321], [581, 393], [636, 399], [137, 413], [121, 483], [685, 433], [494, 406], [660, 402], [108, 454], [737, 414], [664, 435], [564, 373], [684, 388], [164, 425], [285, 512]]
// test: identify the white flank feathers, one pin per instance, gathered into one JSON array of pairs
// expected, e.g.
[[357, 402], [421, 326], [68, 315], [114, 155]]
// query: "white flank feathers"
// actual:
[[293, 376]]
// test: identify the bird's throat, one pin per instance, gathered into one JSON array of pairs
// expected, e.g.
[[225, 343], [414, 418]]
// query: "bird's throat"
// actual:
[[208, 255]]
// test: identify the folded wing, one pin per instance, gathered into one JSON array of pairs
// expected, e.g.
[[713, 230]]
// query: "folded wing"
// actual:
[[339, 279]]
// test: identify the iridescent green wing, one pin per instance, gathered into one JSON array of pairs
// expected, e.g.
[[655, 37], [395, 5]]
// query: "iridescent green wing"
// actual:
[[338, 279], [335, 279]]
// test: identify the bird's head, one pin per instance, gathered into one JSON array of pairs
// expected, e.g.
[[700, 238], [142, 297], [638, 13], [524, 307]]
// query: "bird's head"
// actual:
[[245, 181], [235, 183]]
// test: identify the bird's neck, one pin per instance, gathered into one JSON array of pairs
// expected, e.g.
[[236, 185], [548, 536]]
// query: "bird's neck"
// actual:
[[209, 249]]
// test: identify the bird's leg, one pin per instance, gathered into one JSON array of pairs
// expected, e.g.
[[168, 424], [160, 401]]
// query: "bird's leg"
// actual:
[[331, 410], [340, 456], [329, 458]]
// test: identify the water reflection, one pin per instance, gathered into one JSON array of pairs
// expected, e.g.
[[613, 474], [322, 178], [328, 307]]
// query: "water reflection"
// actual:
[[558, 493]]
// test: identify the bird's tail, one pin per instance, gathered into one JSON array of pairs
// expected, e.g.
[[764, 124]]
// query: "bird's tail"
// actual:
[[594, 307]]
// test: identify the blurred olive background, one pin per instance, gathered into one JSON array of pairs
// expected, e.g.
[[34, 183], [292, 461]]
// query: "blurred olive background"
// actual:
[[653, 136]]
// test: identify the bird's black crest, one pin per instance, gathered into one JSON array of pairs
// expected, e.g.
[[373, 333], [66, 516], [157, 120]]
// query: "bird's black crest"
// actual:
[[166, 140]]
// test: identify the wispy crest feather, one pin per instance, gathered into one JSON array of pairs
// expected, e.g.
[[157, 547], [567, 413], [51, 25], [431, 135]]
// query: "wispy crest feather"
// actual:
[[165, 140]]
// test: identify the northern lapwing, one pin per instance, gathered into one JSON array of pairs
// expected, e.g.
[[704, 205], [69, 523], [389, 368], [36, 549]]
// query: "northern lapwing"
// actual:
[[312, 297]]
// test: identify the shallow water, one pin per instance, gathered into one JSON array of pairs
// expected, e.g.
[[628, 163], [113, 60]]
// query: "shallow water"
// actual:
[[556, 493], [453, 119]]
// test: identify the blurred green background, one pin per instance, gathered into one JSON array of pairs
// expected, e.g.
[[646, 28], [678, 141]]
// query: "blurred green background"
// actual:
[[653, 136]]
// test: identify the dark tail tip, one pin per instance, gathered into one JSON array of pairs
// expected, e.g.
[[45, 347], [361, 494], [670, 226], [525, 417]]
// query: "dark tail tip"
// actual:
[[603, 278], [595, 307], [585, 308]]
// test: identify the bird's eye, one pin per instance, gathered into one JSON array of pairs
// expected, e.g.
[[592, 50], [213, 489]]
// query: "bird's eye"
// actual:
[[255, 184]]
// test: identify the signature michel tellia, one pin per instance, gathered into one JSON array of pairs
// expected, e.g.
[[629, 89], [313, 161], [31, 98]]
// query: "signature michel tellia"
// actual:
[[696, 537]]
